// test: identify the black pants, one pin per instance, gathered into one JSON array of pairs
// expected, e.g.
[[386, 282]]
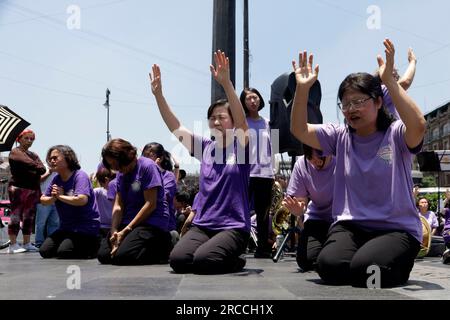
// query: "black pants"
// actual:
[[69, 245], [312, 239], [203, 251], [349, 251], [143, 245], [260, 191]]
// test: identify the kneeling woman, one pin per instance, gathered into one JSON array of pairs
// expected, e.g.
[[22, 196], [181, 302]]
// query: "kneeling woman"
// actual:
[[71, 191], [140, 219]]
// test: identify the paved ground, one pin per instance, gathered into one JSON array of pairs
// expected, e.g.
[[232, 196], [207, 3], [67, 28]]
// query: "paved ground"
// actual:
[[28, 276]]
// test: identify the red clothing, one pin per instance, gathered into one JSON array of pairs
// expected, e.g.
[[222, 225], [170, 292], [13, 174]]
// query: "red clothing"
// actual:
[[26, 169]]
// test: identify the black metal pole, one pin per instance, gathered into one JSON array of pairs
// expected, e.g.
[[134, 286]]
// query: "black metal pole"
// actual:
[[246, 47], [106, 104], [224, 39]]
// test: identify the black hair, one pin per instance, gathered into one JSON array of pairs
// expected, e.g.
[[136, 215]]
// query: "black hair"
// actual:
[[120, 150], [68, 154], [159, 151], [219, 103], [244, 94], [370, 85]]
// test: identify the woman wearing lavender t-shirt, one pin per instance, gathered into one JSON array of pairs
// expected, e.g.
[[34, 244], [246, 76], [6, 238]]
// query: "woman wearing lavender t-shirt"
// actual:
[[261, 169], [221, 226], [139, 229], [376, 222], [310, 195], [71, 192]]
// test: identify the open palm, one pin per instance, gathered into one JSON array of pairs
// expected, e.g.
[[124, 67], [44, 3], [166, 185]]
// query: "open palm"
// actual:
[[305, 75], [155, 80]]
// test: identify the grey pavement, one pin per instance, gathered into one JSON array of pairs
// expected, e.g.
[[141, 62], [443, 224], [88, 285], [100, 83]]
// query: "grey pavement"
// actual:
[[27, 276]]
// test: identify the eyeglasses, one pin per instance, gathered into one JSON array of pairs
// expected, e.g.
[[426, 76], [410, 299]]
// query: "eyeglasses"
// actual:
[[356, 104]]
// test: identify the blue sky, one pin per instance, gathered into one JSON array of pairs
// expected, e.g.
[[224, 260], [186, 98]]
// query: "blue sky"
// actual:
[[56, 77]]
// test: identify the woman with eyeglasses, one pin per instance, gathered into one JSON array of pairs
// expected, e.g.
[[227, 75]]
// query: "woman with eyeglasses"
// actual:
[[24, 191], [221, 226], [71, 192], [310, 197], [376, 225]]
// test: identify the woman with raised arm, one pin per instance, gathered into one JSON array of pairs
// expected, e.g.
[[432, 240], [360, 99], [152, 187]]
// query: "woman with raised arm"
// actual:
[[376, 221], [221, 226]]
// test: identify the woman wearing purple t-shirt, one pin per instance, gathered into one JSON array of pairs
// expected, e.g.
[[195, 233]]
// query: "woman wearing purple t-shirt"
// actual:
[[157, 153], [221, 226], [71, 192], [139, 229], [422, 205], [261, 169], [310, 195], [376, 221]]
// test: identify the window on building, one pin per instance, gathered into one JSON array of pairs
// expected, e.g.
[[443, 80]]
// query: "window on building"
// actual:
[[435, 133]]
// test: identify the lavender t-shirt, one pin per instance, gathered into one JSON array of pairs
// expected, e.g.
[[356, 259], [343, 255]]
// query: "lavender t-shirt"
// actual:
[[222, 201], [82, 219], [388, 104], [260, 147], [170, 189], [104, 207], [373, 180], [431, 218], [145, 175], [308, 182]]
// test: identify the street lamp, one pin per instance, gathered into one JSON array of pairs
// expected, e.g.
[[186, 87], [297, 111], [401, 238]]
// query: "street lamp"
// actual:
[[106, 105]]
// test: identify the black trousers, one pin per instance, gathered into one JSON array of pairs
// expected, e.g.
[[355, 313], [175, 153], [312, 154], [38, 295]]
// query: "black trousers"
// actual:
[[70, 245], [311, 241], [143, 245], [260, 191], [350, 250], [203, 251]]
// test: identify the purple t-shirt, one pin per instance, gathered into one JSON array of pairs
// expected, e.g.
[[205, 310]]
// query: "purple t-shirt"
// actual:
[[222, 200], [388, 104], [446, 230], [170, 189], [431, 218], [260, 147], [317, 185], [112, 189], [145, 175], [104, 207], [82, 219], [373, 180]]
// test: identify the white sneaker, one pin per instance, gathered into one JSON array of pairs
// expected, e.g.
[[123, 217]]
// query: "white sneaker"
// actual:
[[15, 248], [30, 248], [446, 257]]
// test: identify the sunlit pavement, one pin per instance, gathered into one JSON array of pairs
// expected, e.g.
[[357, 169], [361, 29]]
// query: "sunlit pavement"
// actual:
[[28, 276]]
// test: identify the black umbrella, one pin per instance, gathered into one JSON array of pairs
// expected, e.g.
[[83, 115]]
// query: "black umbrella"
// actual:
[[11, 125]]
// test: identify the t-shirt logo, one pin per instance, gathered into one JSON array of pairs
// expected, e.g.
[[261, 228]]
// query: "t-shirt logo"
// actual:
[[231, 159], [385, 153], [136, 186]]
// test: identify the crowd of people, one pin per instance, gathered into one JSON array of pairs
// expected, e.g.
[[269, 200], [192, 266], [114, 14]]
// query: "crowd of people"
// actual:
[[350, 191]]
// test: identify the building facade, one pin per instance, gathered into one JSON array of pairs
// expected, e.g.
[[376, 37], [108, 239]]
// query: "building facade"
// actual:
[[437, 136]]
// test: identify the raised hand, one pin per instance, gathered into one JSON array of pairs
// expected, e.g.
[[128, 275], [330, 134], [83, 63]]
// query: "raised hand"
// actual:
[[221, 70], [385, 69], [411, 56], [155, 80], [304, 73]]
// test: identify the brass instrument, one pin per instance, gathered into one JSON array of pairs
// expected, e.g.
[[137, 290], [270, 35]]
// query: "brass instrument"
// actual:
[[426, 237], [281, 216]]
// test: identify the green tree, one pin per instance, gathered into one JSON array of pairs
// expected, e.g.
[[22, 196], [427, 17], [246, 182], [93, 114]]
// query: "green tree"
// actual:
[[429, 181]]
